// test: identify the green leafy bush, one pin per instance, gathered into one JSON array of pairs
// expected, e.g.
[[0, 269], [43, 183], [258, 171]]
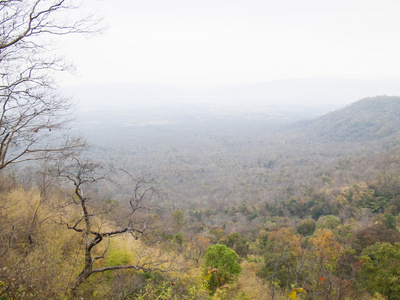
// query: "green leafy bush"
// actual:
[[221, 266], [381, 269]]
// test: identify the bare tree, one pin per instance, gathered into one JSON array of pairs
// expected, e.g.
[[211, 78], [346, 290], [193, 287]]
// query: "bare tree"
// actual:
[[82, 175], [32, 112]]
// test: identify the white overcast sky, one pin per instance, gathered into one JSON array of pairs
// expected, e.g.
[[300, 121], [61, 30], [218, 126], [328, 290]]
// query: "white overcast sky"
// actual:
[[211, 42]]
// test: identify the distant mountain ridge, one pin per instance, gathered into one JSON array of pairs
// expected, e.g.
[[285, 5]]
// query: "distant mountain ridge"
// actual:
[[367, 119], [287, 100]]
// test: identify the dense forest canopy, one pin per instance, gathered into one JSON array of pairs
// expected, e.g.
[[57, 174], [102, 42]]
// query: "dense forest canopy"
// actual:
[[301, 208]]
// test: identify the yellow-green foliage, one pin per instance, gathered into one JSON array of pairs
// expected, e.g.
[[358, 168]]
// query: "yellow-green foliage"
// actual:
[[39, 256], [378, 296], [118, 254], [250, 286]]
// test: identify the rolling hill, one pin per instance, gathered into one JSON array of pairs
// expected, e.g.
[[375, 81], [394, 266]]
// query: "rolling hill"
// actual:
[[367, 119]]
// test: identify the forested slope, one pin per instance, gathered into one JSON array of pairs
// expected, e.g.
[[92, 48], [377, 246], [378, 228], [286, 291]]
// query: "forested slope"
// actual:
[[287, 207], [187, 202], [371, 118]]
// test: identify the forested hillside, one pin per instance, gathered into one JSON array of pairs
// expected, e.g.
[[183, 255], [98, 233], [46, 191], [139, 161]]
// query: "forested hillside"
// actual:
[[315, 209], [186, 202], [371, 118]]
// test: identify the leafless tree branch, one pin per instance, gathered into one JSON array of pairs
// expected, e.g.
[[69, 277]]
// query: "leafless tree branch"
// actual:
[[32, 113], [82, 174]]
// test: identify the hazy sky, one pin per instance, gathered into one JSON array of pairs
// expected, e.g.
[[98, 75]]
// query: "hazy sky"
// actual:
[[208, 42]]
